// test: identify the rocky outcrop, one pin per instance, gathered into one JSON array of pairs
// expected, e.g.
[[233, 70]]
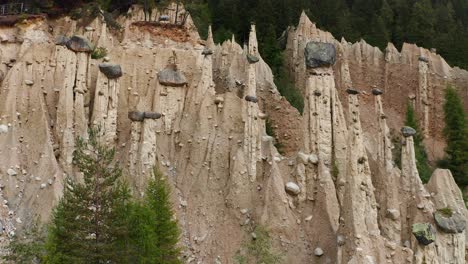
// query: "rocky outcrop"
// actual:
[[394, 72], [199, 112], [448, 200]]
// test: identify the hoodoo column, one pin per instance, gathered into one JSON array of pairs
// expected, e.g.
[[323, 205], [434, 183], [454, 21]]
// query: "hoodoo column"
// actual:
[[251, 133], [424, 94]]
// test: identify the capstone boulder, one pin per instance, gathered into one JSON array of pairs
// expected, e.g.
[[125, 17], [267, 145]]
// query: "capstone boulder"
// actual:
[[450, 223], [80, 44], [408, 131], [172, 77], [111, 71], [319, 54]]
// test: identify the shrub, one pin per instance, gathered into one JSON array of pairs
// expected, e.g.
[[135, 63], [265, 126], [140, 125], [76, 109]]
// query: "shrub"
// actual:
[[99, 53], [258, 250], [28, 247]]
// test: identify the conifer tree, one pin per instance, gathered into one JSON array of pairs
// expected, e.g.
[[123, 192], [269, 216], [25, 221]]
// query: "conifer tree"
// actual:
[[165, 227], [422, 163], [153, 234], [88, 224], [456, 135]]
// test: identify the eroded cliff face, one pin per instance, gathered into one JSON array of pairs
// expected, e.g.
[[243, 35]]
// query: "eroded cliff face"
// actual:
[[198, 111]]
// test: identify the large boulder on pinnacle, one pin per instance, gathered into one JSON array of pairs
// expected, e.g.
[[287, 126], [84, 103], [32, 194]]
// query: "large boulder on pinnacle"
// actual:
[[449, 222], [111, 71], [408, 131], [319, 54], [80, 44], [424, 233], [172, 77]]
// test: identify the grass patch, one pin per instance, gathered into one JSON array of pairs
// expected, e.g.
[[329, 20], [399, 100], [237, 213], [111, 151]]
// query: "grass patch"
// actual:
[[447, 211]]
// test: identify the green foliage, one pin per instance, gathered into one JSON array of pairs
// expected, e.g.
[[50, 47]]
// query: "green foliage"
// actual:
[[86, 12], [201, 16], [430, 24], [165, 228], [289, 91], [153, 234], [111, 22], [396, 151], [258, 250], [99, 53], [456, 135], [88, 223], [422, 163], [335, 170], [447, 211], [28, 247]]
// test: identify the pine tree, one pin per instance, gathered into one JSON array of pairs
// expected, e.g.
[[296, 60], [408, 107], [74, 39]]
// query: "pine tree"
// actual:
[[421, 25], [456, 135], [88, 224], [153, 234], [166, 231], [422, 164]]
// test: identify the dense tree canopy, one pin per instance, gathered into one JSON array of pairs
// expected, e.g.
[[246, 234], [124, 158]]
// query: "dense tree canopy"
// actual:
[[440, 24], [456, 134]]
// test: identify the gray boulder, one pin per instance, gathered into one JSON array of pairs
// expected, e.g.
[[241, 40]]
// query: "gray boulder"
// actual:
[[376, 91], [450, 223], [424, 232], [111, 71], [318, 252], [206, 51], [61, 40], [292, 188], [172, 77], [80, 44], [340, 240], [319, 54], [408, 131], [352, 91], [3, 129], [250, 98], [252, 58], [11, 172], [136, 116], [152, 115], [424, 59]]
